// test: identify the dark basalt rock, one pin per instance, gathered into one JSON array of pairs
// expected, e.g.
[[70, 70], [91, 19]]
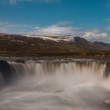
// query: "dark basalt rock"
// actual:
[[20, 61], [107, 70], [7, 72]]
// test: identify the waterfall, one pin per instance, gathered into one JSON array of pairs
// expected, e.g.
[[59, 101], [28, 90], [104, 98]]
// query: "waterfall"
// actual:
[[8, 70], [57, 68], [54, 85]]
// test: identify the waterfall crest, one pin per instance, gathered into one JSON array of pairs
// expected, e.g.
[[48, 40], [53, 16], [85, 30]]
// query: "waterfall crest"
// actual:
[[43, 68], [10, 71]]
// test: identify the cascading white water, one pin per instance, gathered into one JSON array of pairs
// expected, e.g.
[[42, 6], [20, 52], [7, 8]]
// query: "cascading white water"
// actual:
[[58, 68], [57, 86]]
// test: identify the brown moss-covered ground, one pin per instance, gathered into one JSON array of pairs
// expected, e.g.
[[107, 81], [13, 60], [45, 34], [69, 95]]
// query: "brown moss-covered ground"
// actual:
[[11, 45]]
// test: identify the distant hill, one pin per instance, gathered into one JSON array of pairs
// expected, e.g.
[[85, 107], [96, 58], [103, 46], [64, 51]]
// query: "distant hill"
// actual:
[[17, 45]]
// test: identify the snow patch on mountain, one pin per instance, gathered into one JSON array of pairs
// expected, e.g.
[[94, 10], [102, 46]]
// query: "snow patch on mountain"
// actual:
[[54, 38]]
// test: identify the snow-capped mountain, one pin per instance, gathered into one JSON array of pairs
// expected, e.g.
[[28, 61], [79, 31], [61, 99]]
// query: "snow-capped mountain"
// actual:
[[54, 38], [49, 45]]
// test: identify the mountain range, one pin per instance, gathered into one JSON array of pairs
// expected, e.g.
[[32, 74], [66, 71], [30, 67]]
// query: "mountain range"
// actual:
[[32, 45]]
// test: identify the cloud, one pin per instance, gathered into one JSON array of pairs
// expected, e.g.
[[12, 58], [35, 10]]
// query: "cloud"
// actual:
[[18, 1], [61, 28], [107, 19], [108, 28], [55, 30], [13, 28], [12, 1], [64, 23], [97, 36]]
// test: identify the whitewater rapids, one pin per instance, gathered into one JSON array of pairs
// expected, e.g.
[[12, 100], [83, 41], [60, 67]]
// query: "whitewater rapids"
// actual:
[[57, 86]]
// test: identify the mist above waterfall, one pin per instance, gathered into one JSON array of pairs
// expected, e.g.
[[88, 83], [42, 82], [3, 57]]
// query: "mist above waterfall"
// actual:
[[58, 86]]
